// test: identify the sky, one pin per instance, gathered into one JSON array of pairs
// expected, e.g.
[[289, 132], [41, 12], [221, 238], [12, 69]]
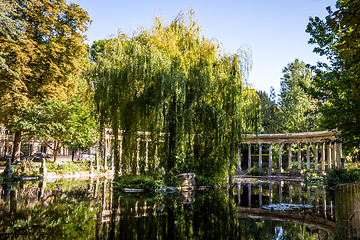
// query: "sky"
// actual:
[[274, 29]]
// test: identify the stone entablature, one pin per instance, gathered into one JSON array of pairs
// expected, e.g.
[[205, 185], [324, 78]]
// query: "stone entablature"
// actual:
[[331, 150], [320, 136]]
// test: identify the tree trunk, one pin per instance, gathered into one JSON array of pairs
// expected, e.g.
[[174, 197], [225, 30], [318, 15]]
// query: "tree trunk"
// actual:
[[55, 149], [72, 155], [55, 155], [16, 149]]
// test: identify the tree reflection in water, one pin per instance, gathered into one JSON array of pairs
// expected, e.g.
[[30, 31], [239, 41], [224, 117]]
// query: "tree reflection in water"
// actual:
[[212, 216], [83, 210]]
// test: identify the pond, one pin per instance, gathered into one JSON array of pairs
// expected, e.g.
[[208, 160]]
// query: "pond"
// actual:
[[251, 209]]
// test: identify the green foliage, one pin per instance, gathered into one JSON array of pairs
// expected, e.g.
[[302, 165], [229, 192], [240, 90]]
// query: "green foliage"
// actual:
[[68, 123], [254, 171], [297, 109], [336, 84], [68, 167], [313, 178], [353, 166], [26, 168], [171, 179], [67, 186], [149, 183], [346, 21], [44, 62], [175, 84], [269, 112], [213, 215], [65, 220], [210, 182], [10, 29], [338, 176]]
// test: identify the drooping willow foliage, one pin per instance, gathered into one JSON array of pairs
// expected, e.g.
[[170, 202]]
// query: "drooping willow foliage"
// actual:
[[176, 86]]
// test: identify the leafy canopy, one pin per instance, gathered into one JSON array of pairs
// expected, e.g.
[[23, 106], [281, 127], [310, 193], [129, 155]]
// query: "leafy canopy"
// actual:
[[9, 28], [67, 123], [336, 84], [297, 108], [176, 84], [48, 57], [269, 112]]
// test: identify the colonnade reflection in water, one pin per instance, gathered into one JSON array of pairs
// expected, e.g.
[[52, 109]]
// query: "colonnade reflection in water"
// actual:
[[283, 195], [231, 212]]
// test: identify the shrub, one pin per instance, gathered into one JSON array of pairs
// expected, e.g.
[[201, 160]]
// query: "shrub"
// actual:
[[171, 179], [254, 171], [338, 176], [149, 183], [313, 178], [211, 182]]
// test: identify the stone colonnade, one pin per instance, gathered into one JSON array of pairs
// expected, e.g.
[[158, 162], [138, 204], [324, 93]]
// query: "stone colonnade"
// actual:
[[108, 149], [323, 141]]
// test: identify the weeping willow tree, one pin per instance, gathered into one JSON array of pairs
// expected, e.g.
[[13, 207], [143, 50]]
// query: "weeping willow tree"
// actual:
[[173, 99]]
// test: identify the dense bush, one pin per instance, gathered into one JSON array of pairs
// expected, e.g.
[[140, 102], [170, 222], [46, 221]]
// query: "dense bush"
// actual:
[[211, 182], [335, 177], [313, 178], [254, 171], [149, 183]]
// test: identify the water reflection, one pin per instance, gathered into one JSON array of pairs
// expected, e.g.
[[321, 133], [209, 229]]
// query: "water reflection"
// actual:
[[94, 210], [281, 195]]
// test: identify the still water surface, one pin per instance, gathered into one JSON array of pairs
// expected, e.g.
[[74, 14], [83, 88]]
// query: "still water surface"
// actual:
[[94, 210]]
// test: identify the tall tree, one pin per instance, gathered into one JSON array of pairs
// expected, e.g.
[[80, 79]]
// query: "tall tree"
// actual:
[[297, 109], [336, 84], [46, 60], [269, 111], [173, 82]]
